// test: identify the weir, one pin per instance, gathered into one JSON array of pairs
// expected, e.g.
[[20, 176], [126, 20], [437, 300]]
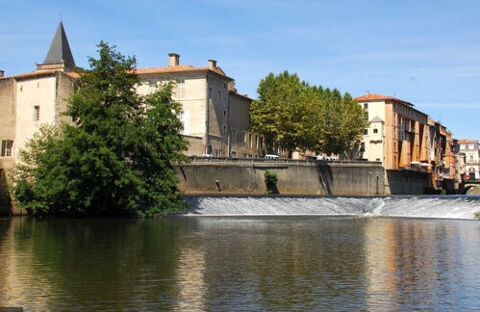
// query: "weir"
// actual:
[[442, 207]]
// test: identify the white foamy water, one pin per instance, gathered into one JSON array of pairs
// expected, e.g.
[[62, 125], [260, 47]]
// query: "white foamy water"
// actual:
[[445, 207]]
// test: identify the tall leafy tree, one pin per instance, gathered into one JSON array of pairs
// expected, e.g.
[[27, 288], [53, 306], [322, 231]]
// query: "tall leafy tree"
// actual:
[[281, 112], [296, 115], [342, 122], [118, 156]]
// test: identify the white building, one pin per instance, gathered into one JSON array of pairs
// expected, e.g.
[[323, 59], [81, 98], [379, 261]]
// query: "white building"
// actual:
[[471, 150]]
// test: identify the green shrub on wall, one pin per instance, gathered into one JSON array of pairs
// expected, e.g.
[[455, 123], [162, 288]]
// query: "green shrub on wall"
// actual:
[[271, 180]]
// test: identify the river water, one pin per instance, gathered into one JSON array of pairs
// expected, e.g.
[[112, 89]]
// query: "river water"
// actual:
[[305, 262]]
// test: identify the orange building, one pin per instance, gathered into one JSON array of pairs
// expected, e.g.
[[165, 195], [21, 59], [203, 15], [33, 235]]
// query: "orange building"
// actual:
[[398, 133], [402, 137]]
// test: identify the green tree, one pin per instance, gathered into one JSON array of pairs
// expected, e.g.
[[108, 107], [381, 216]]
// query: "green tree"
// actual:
[[282, 112], [342, 123], [118, 156], [295, 115]]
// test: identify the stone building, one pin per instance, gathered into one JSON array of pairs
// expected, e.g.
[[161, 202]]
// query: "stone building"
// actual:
[[31, 99], [215, 116]]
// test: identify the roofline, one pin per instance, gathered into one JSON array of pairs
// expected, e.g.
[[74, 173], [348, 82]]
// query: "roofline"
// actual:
[[240, 95], [172, 70], [387, 98], [393, 99], [37, 74]]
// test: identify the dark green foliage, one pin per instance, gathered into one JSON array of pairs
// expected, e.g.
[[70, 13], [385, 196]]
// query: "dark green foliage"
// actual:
[[271, 180], [296, 115], [116, 159]]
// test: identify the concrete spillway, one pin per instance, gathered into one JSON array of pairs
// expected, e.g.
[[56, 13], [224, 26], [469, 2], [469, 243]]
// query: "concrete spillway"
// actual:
[[449, 207]]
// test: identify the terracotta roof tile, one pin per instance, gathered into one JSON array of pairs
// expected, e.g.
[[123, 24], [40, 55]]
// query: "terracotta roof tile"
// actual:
[[178, 69], [466, 141], [45, 72], [379, 97]]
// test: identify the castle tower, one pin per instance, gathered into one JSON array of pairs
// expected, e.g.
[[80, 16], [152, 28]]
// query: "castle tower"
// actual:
[[59, 56]]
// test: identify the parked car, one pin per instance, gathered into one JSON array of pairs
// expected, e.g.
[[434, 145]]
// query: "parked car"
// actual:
[[271, 156]]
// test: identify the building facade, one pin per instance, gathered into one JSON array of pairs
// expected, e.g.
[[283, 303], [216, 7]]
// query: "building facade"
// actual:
[[215, 116], [471, 151], [398, 133], [30, 100], [402, 137]]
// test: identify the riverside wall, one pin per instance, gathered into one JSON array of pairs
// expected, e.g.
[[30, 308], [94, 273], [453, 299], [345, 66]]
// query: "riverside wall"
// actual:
[[244, 176], [408, 182]]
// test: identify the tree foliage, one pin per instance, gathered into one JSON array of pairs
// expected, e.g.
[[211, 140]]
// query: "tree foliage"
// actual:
[[117, 157], [295, 115]]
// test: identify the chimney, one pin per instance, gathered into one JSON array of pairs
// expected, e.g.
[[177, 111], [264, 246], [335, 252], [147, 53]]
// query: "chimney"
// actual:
[[212, 64], [174, 59], [2, 73]]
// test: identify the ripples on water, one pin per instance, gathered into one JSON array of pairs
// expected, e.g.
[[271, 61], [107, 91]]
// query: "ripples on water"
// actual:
[[294, 263]]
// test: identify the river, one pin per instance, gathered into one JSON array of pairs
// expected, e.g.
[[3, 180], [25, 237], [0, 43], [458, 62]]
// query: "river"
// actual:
[[364, 256]]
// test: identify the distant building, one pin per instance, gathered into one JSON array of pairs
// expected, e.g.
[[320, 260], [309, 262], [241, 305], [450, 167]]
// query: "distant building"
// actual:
[[398, 133], [471, 150], [402, 137]]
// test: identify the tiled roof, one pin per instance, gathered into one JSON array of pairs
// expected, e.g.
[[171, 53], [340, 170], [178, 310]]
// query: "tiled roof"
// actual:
[[466, 141], [178, 69], [40, 73], [379, 97]]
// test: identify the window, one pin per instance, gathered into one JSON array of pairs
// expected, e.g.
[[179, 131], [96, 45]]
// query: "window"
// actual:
[[234, 136], [366, 105], [180, 88], [224, 130], [185, 119], [362, 147], [7, 148], [471, 158], [234, 154], [224, 113], [244, 138], [470, 146], [36, 113], [365, 132], [375, 130]]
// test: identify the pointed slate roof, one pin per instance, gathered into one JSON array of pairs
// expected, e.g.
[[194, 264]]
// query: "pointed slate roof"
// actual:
[[59, 51]]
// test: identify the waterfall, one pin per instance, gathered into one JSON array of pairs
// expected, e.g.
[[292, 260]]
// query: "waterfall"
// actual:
[[448, 207]]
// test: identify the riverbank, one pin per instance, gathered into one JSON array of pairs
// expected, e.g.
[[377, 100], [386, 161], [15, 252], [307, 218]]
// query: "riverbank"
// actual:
[[298, 177]]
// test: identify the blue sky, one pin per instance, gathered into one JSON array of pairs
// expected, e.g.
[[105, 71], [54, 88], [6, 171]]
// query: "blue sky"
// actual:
[[425, 52]]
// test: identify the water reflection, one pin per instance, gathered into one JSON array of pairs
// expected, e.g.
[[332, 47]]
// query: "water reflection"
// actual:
[[282, 263]]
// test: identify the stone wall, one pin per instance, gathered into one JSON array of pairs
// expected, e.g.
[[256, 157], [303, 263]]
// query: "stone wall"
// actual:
[[408, 182], [294, 177]]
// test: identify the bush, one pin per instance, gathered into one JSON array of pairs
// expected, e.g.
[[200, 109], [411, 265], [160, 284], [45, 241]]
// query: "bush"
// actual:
[[271, 180]]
